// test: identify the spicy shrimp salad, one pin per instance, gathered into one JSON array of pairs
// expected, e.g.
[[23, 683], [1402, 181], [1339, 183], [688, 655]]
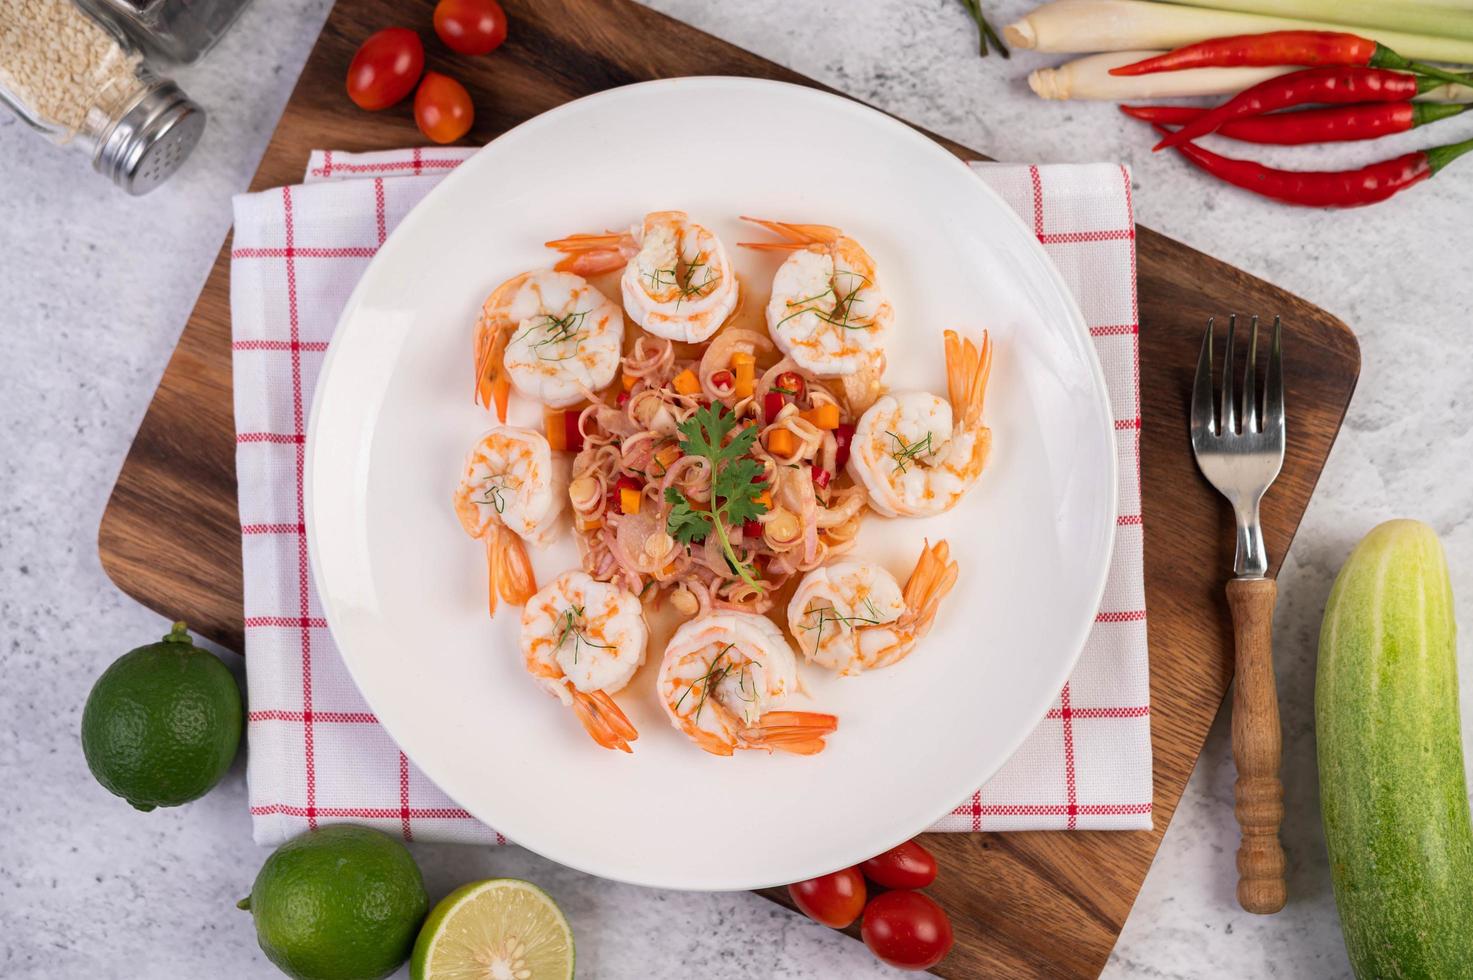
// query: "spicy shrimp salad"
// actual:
[[720, 469]]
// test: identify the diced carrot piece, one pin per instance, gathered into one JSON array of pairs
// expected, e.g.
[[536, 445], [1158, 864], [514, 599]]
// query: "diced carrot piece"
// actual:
[[687, 383], [781, 442], [557, 431], [628, 380], [666, 457], [825, 416], [765, 499], [629, 500], [744, 367]]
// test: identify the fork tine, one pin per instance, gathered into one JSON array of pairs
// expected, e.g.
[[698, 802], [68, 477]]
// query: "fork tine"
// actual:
[[1273, 409], [1202, 420], [1229, 408], [1250, 377]]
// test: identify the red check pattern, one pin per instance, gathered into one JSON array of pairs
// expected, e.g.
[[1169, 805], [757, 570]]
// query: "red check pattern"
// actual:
[[319, 755], [1087, 766]]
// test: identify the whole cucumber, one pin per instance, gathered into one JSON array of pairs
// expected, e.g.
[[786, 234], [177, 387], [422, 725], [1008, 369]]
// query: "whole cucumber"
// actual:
[[1393, 793]]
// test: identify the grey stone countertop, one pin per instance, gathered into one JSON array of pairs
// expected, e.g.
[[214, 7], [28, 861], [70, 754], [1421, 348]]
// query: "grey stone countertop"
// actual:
[[95, 287]]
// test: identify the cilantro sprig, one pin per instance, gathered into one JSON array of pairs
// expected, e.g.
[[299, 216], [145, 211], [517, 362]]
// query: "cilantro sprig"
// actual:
[[736, 482]]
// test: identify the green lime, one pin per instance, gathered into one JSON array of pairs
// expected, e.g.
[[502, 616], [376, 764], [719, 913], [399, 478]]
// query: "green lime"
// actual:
[[339, 903], [162, 723], [502, 929]]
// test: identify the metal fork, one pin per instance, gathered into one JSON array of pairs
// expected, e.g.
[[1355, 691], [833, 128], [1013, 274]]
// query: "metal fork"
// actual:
[[1240, 453]]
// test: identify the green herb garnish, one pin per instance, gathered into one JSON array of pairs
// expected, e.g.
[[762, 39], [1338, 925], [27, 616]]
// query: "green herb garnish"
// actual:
[[570, 623], [736, 481], [494, 498], [828, 614], [559, 330], [907, 453]]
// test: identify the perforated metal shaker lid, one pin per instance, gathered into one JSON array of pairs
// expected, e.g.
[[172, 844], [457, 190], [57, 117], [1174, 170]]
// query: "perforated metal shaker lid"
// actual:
[[151, 139]]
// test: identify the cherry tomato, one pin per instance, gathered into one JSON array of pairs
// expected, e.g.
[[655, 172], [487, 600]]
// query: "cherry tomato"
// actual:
[[833, 899], [907, 865], [906, 930], [442, 108], [470, 26], [385, 68]]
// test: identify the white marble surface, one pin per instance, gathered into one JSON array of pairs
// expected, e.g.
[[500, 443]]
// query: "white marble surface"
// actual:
[[95, 287]]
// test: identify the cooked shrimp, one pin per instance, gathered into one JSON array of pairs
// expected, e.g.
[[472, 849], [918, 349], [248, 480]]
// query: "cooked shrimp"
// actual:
[[549, 333], [721, 675], [582, 640], [827, 310], [851, 615], [678, 282], [917, 454], [513, 488]]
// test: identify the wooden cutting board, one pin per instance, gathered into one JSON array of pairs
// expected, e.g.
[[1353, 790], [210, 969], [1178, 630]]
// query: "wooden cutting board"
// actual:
[[1023, 904]]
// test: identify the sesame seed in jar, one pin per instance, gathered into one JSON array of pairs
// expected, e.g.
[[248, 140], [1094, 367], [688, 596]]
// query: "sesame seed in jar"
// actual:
[[61, 70]]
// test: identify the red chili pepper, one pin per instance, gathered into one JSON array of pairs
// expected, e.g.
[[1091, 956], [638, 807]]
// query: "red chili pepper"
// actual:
[[1334, 85], [621, 399], [772, 404], [1339, 124], [723, 380], [791, 383], [1327, 189], [1308, 48], [821, 477], [751, 529], [843, 435], [572, 434]]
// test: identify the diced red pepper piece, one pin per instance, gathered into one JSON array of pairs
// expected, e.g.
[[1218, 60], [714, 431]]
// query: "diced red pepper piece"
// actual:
[[751, 529], [821, 478], [723, 380], [621, 399], [572, 435], [623, 483], [772, 404], [843, 435]]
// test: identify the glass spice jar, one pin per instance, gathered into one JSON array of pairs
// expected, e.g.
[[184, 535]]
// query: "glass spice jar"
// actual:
[[79, 82], [171, 31]]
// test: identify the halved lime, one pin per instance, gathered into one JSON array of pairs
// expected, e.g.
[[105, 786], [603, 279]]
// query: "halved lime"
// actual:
[[501, 929]]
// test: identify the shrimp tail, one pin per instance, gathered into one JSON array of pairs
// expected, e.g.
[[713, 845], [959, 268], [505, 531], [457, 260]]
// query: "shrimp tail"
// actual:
[[493, 387], [589, 255], [796, 732], [795, 236], [967, 371], [511, 570], [929, 582], [711, 742], [603, 719]]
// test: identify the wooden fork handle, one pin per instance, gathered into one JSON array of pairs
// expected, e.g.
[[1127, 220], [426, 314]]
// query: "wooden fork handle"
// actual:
[[1259, 794]]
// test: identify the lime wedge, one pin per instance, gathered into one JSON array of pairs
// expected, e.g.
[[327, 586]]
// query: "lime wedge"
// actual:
[[501, 929]]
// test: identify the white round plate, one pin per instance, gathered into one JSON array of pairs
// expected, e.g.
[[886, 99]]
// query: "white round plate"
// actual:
[[404, 589]]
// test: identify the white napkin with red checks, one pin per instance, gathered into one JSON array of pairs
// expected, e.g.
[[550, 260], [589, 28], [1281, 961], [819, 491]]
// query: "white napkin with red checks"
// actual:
[[318, 755]]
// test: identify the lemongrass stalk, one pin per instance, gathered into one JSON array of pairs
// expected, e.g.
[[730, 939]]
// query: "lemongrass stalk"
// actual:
[[1438, 18], [1115, 25], [1090, 78]]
